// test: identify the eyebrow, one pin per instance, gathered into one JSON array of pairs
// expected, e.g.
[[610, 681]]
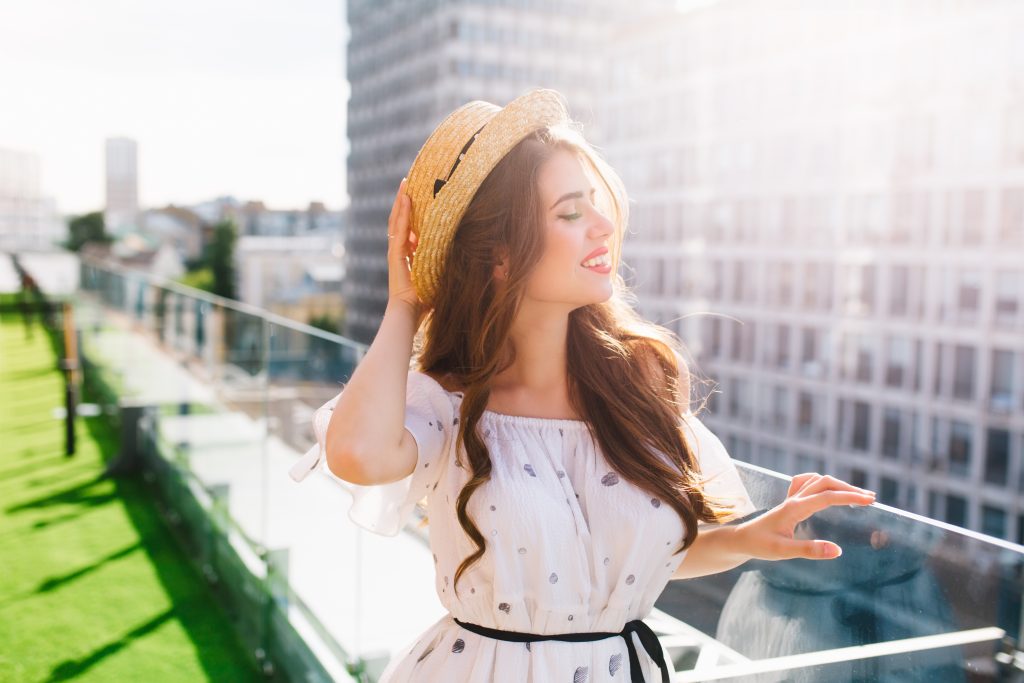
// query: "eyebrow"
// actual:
[[571, 195]]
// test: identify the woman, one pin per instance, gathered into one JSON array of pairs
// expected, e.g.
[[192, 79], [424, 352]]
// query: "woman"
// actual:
[[546, 424]]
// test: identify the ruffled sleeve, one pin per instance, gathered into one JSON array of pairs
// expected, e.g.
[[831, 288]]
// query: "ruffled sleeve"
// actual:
[[717, 467], [385, 508]]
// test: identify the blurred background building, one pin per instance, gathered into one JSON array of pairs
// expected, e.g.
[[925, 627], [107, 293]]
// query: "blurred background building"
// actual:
[[28, 219], [121, 160], [830, 212]]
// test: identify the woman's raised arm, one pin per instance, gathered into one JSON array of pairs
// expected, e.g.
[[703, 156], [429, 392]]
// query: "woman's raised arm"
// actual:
[[366, 439]]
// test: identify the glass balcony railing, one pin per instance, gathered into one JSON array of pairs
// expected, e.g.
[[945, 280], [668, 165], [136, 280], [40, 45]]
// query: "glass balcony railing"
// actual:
[[224, 393]]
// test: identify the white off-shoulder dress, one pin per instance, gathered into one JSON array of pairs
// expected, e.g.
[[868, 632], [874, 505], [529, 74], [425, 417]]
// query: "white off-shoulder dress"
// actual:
[[571, 546]]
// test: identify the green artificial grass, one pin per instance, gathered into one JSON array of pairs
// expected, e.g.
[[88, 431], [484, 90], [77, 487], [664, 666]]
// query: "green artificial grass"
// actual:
[[92, 584]]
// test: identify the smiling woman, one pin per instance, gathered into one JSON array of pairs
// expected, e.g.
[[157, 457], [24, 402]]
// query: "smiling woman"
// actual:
[[515, 388]]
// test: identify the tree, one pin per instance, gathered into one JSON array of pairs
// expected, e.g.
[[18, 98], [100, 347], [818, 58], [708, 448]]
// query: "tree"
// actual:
[[88, 227], [219, 256], [325, 322]]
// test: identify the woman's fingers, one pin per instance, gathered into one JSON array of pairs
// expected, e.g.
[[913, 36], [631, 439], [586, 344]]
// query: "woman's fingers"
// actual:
[[830, 483], [394, 249], [395, 205], [799, 481], [404, 233], [400, 249], [804, 507]]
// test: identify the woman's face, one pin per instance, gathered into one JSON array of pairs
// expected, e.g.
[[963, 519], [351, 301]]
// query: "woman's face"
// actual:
[[574, 229]]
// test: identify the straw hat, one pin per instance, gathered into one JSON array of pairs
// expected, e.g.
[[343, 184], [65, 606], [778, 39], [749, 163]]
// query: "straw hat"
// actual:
[[455, 159]]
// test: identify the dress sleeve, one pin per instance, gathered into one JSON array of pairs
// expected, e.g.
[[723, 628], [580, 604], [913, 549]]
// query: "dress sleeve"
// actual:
[[385, 508], [718, 468]]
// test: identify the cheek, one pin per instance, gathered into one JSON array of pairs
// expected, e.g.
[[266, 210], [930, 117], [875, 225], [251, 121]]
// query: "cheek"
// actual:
[[557, 271], [561, 259]]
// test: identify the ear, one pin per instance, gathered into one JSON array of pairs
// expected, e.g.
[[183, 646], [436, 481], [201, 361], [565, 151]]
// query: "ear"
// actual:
[[500, 270]]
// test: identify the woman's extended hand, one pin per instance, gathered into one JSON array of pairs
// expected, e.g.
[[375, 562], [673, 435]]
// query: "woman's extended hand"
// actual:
[[401, 247], [770, 536]]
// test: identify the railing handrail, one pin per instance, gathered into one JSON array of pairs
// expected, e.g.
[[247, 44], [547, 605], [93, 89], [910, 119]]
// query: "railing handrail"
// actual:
[[216, 299]]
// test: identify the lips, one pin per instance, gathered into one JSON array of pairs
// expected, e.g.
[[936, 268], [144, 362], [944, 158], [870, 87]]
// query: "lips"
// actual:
[[596, 252]]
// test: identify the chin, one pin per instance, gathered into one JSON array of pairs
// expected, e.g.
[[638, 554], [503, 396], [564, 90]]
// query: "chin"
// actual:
[[601, 298]]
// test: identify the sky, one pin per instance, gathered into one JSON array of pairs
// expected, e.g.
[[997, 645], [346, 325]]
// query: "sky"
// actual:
[[239, 97]]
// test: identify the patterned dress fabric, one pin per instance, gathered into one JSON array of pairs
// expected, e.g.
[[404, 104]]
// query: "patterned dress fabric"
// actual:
[[571, 546]]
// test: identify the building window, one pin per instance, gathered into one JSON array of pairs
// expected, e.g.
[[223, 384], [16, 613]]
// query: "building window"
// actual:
[[748, 333], [809, 352], [736, 341], [858, 357], [897, 363], [716, 337], [861, 425], [858, 290], [717, 281], [1009, 291], [739, 274], [938, 375], [889, 491], [786, 285], [810, 286], [993, 521], [968, 296], [974, 218], [1011, 223], [956, 510], [1001, 392], [805, 414], [858, 477], [997, 456], [960, 437], [963, 372], [782, 346], [891, 433], [899, 280]]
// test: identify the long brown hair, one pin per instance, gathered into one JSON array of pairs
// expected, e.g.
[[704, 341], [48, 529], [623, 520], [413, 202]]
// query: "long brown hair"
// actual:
[[627, 378]]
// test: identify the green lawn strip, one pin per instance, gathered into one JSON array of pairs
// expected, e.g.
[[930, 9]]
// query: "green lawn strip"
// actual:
[[92, 585]]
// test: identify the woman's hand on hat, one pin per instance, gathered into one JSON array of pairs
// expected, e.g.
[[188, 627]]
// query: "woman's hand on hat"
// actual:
[[771, 535], [401, 247]]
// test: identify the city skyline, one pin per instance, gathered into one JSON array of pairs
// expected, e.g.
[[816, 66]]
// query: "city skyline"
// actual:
[[207, 89]]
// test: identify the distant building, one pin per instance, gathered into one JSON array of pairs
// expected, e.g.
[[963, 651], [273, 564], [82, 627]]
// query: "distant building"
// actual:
[[180, 226], [254, 218], [122, 185], [298, 277], [139, 253], [836, 230], [28, 219]]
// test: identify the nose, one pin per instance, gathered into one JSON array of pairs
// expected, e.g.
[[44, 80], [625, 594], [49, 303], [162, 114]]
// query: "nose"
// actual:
[[602, 225]]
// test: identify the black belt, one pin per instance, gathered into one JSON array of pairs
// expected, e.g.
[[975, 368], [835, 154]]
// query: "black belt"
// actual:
[[647, 638]]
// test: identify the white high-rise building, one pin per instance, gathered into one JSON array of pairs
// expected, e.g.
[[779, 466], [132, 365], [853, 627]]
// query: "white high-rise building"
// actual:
[[122, 185], [829, 210], [28, 219]]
